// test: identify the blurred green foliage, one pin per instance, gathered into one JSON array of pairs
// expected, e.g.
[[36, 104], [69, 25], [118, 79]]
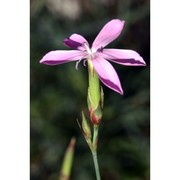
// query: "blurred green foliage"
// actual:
[[58, 93]]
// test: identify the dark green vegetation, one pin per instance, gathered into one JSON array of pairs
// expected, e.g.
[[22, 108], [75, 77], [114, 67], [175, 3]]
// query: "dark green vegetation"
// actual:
[[58, 93]]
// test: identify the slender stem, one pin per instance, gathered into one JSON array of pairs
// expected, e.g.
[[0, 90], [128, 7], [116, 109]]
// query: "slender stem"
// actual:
[[94, 151], [95, 137], [96, 165]]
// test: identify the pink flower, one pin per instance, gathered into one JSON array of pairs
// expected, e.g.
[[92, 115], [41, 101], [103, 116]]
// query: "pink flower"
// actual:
[[98, 54]]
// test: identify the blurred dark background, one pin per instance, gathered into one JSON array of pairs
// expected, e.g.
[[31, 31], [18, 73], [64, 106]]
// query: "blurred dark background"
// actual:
[[58, 93]]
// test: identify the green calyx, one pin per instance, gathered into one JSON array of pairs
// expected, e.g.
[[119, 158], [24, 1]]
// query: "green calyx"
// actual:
[[95, 96], [94, 86]]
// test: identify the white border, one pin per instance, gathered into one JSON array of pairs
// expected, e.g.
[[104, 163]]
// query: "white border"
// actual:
[[14, 90], [165, 90]]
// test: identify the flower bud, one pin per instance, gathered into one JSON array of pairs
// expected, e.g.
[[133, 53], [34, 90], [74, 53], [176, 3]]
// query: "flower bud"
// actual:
[[95, 112], [68, 161], [96, 115], [86, 128]]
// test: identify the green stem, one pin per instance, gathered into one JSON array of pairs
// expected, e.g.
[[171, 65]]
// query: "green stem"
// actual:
[[96, 166], [94, 151], [95, 137]]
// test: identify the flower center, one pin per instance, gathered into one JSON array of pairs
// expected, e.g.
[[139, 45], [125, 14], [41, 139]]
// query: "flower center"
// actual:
[[89, 56], [90, 52]]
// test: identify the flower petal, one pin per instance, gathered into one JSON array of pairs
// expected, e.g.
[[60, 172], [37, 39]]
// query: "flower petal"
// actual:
[[62, 56], [76, 41], [107, 74], [123, 56], [108, 33]]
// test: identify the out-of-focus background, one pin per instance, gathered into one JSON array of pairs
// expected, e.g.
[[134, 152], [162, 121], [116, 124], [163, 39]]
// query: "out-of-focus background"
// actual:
[[58, 93]]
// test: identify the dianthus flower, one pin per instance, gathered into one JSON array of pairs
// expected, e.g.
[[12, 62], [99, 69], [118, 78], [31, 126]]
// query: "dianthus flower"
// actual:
[[97, 54]]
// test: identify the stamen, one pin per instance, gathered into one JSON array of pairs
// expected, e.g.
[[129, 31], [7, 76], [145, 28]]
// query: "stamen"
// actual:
[[84, 62], [77, 63]]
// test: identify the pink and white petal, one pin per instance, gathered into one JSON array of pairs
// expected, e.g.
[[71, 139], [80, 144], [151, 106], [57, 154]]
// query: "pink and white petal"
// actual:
[[107, 74], [123, 56], [62, 56], [108, 33], [76, 41]]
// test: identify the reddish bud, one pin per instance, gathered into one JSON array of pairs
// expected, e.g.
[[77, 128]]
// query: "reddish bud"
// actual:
[[96, 115]]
